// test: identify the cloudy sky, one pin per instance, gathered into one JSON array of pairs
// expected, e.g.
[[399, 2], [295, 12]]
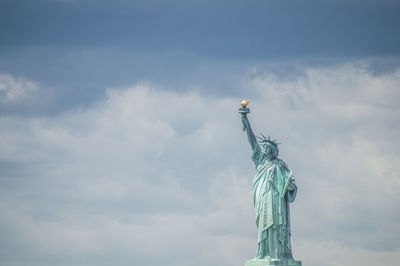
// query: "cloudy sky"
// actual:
[[120, 141]]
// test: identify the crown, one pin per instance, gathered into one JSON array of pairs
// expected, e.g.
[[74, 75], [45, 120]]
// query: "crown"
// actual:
[[264, 140]]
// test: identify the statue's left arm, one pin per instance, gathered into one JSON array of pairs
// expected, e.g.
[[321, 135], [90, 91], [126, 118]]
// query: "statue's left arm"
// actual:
[[290, 190]]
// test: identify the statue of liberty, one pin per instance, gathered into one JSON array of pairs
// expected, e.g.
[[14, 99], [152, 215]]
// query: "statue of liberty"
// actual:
[[273, 189]]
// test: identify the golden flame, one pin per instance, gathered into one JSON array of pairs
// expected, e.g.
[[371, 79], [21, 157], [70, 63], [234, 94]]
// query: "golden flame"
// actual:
[[244, 103]]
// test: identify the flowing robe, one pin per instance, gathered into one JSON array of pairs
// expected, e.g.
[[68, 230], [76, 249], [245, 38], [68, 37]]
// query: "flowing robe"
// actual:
[[273, 188]]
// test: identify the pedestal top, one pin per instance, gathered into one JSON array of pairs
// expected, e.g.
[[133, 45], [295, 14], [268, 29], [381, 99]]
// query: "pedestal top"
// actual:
[[269, 262]]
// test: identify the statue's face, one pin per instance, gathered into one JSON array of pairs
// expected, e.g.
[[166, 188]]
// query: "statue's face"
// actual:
[[271, 151]]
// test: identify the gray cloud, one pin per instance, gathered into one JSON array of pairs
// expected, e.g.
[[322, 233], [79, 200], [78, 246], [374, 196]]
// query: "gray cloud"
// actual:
[[227, 29]]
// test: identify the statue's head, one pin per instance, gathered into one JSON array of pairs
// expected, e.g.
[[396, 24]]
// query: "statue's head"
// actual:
[[270, 146]]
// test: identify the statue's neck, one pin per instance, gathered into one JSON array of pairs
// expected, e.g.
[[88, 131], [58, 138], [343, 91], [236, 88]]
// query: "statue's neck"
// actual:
[[271, 158]]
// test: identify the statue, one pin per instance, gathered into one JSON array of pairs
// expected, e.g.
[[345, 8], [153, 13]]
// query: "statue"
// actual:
[[273, 189]]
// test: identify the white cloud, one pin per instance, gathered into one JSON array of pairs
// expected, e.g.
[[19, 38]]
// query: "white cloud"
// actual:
[[164, 178], [14, 89], [331, 253], [340, 126]]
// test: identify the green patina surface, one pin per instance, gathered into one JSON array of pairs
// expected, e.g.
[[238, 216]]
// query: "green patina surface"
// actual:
[[266, 262], [273, 189]]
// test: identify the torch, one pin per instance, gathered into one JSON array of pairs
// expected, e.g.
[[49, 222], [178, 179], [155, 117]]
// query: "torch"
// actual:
[[244, 110]]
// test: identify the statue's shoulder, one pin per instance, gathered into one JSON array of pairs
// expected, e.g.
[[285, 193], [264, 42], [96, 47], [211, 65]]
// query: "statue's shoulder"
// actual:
[[281, 163]]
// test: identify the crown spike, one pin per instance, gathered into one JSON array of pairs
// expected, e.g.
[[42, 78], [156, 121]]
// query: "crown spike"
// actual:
[[268, 140]]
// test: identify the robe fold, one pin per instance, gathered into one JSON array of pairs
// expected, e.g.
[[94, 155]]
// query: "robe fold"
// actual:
[[273, 188]]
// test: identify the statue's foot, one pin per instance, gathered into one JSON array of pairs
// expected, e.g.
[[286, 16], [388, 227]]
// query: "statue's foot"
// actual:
[[275, 261]]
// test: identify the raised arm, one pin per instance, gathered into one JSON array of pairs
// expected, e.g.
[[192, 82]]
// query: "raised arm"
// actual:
[[250, 135]]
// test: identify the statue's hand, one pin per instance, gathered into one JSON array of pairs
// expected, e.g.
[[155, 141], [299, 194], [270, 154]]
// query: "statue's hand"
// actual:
[[291, 186]]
